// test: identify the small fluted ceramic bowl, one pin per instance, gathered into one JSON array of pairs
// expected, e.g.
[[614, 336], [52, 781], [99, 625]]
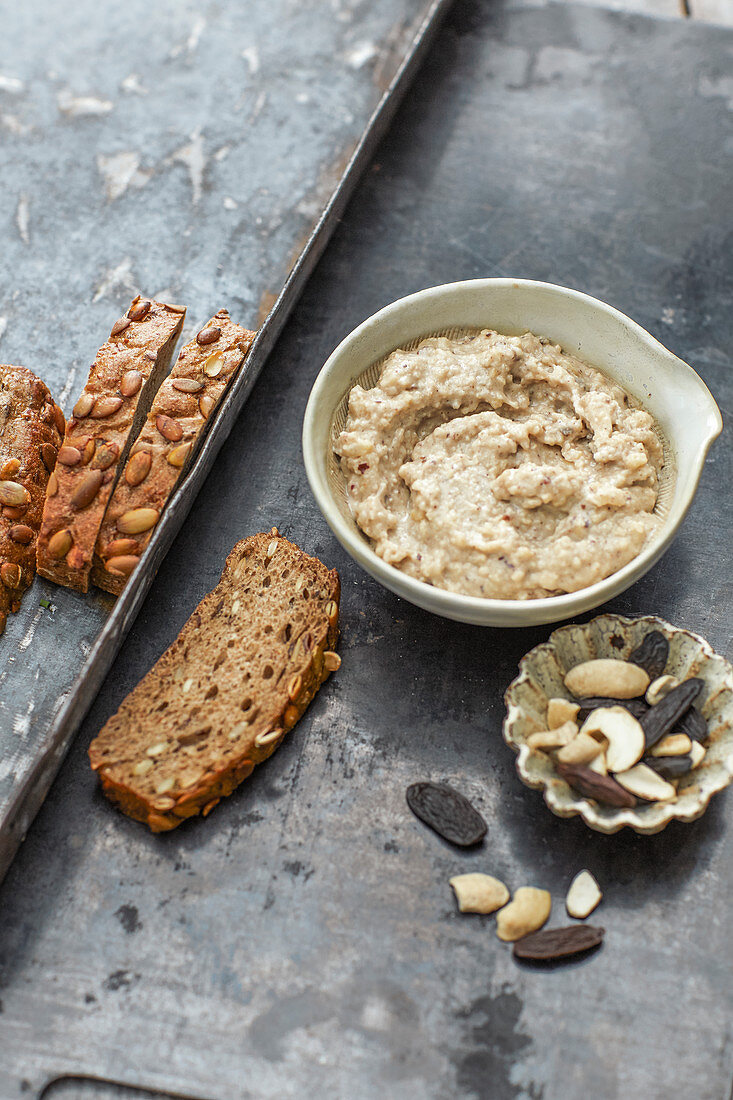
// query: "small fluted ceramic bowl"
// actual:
[[685, 413], [541, 675]]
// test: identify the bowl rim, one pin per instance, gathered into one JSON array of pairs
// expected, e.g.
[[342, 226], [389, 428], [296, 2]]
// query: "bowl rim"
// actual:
[[581, 806], [476, 608]]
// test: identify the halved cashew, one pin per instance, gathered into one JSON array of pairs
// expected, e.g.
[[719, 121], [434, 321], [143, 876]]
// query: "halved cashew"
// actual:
[[560, 711], [674, 744], [642, 781], [697, 752], [607, 677], [583, 895], [477, 893], [553, 738], [526, 912], [659, 688], [581, 750], [623, 732]]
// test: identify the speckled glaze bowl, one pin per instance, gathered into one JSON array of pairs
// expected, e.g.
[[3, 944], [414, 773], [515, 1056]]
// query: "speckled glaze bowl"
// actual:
[[541, 674], [686, 416]]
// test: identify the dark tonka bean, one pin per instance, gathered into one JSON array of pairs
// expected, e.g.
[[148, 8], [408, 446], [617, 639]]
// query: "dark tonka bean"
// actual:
[[558, 943], [637, 707], [669, 767], [601, 787], [693, 724], [447, 812], [652, 654], [660, 718]]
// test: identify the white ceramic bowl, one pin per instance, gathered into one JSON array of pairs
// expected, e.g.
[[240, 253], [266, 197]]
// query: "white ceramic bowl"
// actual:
[[678, 399]]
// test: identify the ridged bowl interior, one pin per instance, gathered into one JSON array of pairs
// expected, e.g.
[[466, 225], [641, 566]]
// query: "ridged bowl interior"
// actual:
[[541, 675], [369, 378]]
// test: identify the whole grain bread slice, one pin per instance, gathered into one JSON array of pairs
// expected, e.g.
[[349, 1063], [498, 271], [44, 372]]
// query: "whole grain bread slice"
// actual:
[[166, 446], [224, 694], [31, 430], [106, 418]]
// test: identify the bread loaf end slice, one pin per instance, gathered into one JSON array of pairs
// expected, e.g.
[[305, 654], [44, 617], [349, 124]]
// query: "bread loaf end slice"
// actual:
[[31, 430], [106, 418], [167, 444], [224, 694]]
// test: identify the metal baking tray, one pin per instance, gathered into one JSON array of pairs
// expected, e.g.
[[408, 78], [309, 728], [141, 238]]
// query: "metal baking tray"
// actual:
[[212, 193]]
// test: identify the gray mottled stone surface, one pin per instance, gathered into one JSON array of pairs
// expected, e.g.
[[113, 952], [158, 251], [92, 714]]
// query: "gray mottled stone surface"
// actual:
[[303, 941]]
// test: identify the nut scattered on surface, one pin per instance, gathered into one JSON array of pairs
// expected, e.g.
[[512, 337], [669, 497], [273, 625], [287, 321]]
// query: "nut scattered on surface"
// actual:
[[446, 811], [559, 943], [607, 677], [659, 688], [544, 740], [526, 912], [645, 783], [583, 895], [560, 711], [623, 733], [479, 893]]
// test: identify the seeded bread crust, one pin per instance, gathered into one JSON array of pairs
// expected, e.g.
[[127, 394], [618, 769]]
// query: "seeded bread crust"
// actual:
[[31, 430], [166, 446], [222, 697], [122, 382]]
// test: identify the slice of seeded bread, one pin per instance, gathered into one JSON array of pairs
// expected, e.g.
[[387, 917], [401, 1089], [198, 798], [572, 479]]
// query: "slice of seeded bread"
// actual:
[[162, 453], [31, 430], [122, 382], [224, 694]]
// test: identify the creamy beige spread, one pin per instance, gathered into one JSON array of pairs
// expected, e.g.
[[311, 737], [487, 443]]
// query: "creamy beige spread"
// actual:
[[499, 466]]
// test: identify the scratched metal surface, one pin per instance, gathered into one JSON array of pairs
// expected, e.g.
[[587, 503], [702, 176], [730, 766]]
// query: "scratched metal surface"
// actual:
[[303, 941], [198, 159]]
